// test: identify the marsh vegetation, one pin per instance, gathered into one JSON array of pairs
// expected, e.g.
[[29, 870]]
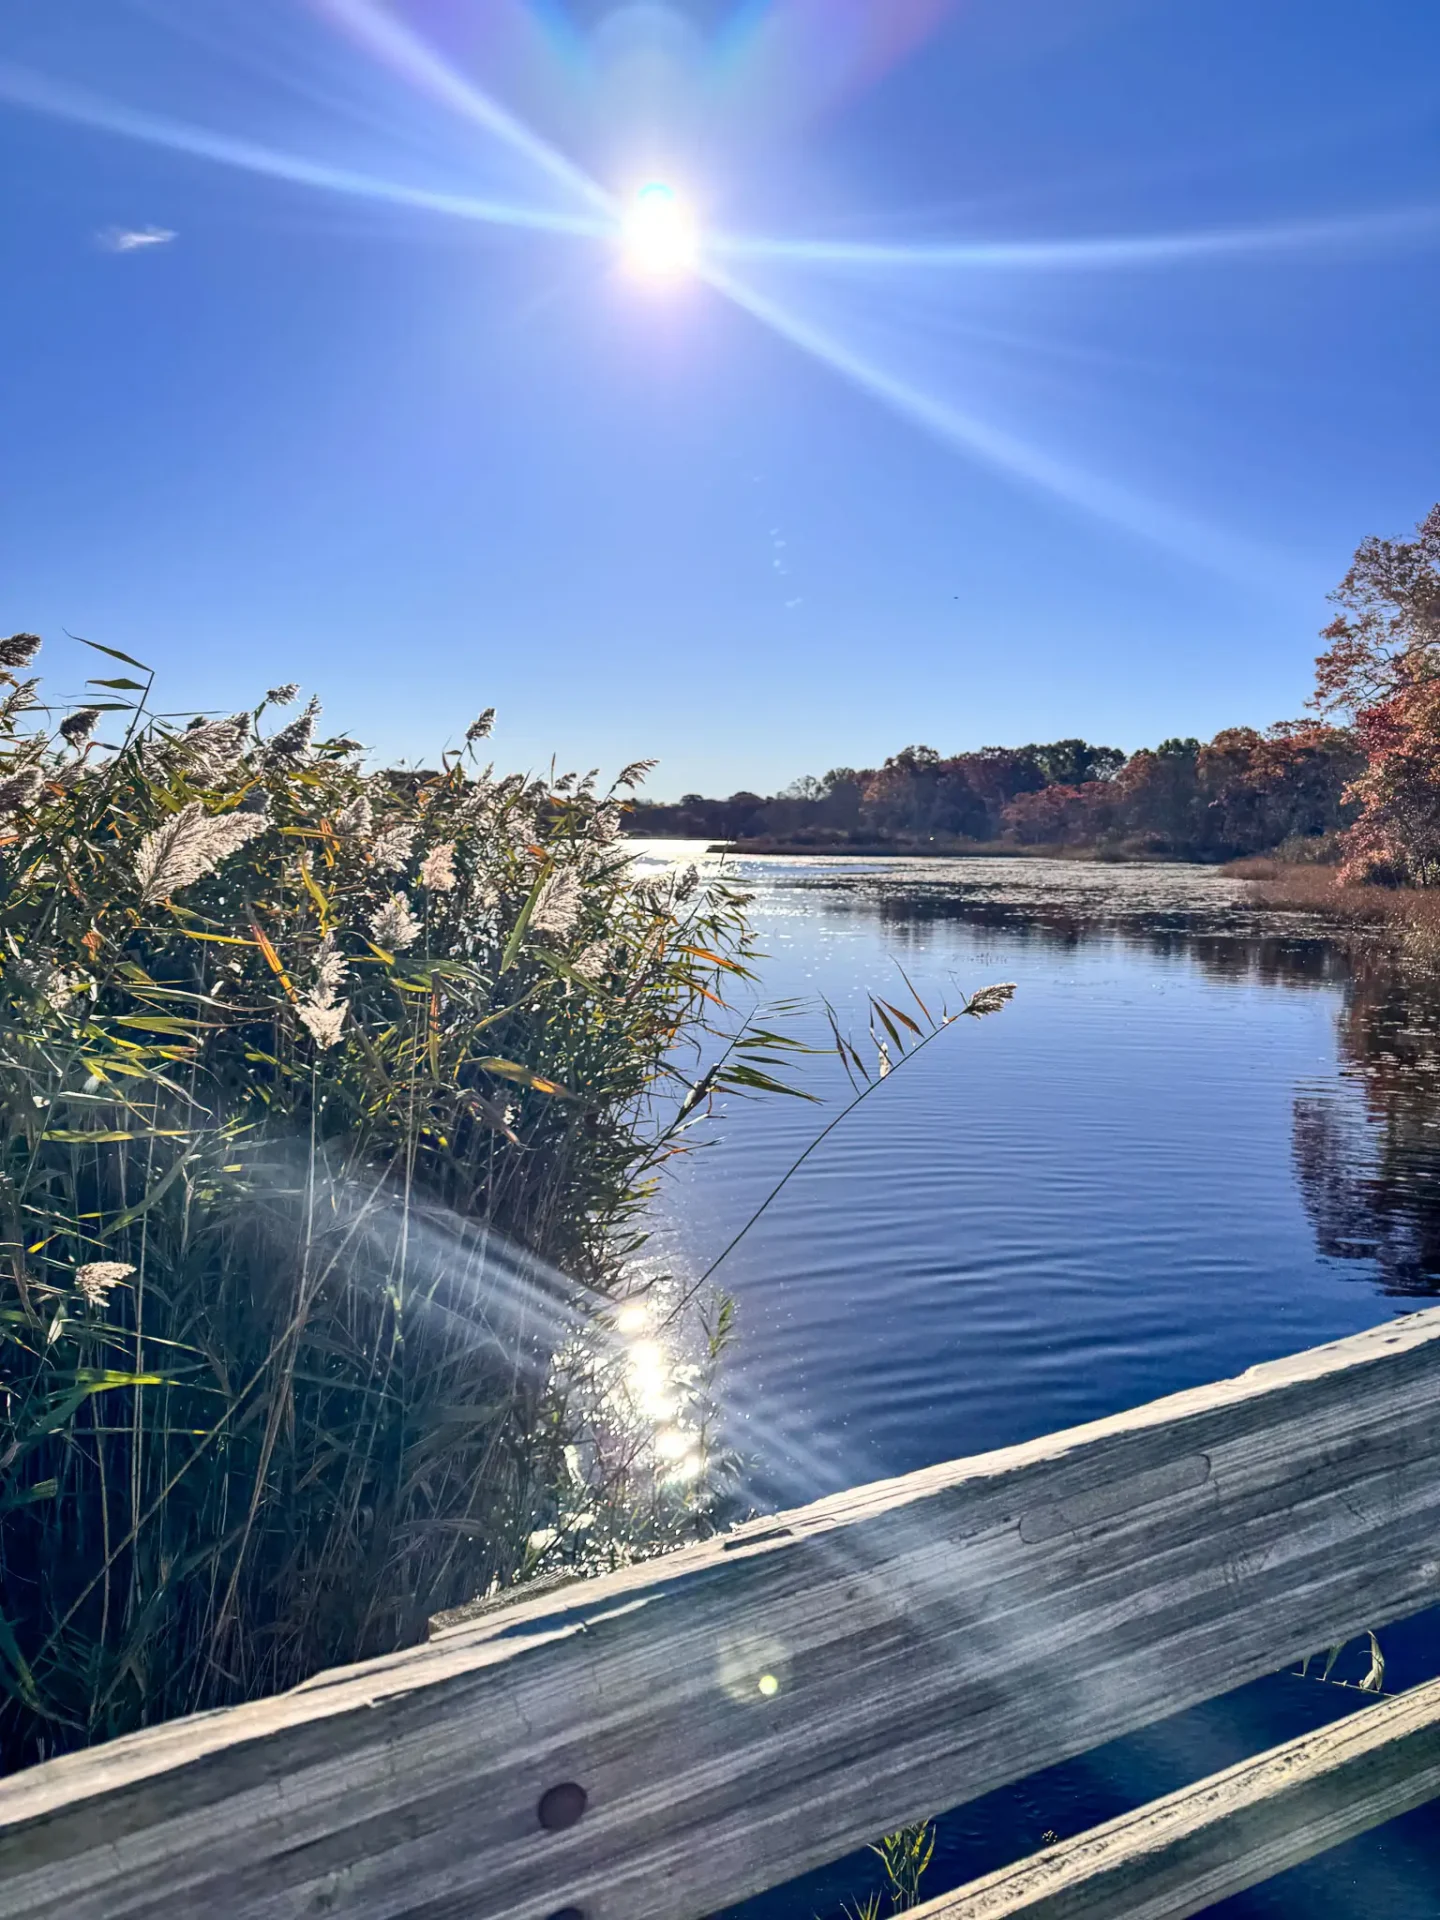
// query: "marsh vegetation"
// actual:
[[332, 1102]]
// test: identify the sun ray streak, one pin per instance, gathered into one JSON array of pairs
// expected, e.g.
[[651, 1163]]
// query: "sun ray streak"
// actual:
[[1192, 540], [1401, 226], [409, 55], [33, 91]]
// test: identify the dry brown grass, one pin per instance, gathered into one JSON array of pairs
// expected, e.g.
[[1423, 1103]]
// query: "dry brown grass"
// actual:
[[1412, 913]]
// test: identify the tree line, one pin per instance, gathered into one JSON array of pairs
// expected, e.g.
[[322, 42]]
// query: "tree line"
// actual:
[[1242, 792], [1357, 780]]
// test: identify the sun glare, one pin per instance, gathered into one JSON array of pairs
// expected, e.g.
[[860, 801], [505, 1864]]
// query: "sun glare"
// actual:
[[660, 238]]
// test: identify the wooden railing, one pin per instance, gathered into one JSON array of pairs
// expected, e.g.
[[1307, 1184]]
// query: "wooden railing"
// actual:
[[663, 1742]]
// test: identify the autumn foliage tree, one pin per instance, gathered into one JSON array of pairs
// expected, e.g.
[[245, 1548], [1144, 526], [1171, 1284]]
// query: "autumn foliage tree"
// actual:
[[1243, 792], [1381, 671]]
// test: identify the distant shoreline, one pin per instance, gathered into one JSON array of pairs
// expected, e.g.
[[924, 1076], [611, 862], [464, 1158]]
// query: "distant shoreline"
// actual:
[[938, 850]]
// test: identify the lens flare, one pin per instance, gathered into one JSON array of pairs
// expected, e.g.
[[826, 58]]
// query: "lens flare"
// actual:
[[1200, 544], [660, 239], [24, 89]]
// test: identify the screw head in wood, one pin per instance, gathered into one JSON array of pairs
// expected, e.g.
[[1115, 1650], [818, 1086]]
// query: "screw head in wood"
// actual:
[[562, 1806]]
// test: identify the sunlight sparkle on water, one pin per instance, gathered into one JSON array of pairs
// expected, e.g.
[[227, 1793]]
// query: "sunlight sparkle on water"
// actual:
[[661, 242]]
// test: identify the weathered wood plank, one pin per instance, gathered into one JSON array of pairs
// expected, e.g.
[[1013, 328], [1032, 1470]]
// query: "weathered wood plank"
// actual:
[[739, 1714], [1180, 1855]]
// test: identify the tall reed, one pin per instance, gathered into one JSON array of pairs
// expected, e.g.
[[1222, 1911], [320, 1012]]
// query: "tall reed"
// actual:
[[331, 1102]]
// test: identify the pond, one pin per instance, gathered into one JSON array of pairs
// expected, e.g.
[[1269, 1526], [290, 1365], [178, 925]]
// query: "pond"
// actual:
[[1204, 1134]]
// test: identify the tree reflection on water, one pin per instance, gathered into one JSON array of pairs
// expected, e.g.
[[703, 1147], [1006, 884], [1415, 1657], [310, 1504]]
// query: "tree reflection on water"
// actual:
[[1366, 1146], [1368, 1151]]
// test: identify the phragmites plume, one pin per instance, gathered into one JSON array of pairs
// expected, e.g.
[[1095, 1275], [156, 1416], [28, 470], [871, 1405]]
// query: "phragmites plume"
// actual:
[[76, 728], [321, 1011], [517, 825], [61, 989], [664, 891], [593, 964], [634, 774], [211, 750], [18, 651], [282, 696], [395, 927], [324, 1025], [18, 791], [357, 818], [558, 906], [990, 999], [95, 1279], [392, 847], [293, 742], [605, 826], [480, 729], [331, 968], [437, 869], [479, 799], [184, 848], [56, 986], [20, 699]]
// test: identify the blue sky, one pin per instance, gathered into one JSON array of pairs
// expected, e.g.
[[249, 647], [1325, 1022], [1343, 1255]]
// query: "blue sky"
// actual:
[[928, 449]]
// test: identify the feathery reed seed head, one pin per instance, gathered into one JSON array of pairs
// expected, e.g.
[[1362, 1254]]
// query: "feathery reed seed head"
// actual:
[[19, 790], [357, 818], [211, 750], [437, 869], [323, 1024], [20, 699], [95, 1279], [558, 906], [331, 968], [76, 728], [392, 847], [184, 848], [293, 742], [990, 999], [395, 927], [19, 650]]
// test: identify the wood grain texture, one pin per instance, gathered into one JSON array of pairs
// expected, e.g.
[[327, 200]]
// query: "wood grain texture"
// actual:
[[921, 1641], [1182, 1854]]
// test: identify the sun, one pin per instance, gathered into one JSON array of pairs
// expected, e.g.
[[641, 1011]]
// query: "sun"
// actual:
[[660, 239]]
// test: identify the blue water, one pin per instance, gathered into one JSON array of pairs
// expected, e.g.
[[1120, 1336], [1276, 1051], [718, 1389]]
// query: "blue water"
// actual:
[[1202, 1135]]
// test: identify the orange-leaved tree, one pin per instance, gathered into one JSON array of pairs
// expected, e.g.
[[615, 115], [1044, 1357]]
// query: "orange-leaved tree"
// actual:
[[1381, 671]]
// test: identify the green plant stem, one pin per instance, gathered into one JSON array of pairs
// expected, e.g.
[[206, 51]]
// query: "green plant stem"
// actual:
[[818, 1141]]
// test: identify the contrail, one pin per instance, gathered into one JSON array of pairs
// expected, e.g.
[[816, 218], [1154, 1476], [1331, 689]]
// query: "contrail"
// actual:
[[25, 89]]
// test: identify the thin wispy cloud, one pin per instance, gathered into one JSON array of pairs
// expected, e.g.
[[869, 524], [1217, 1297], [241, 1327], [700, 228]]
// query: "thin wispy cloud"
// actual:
[[133, 239]]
